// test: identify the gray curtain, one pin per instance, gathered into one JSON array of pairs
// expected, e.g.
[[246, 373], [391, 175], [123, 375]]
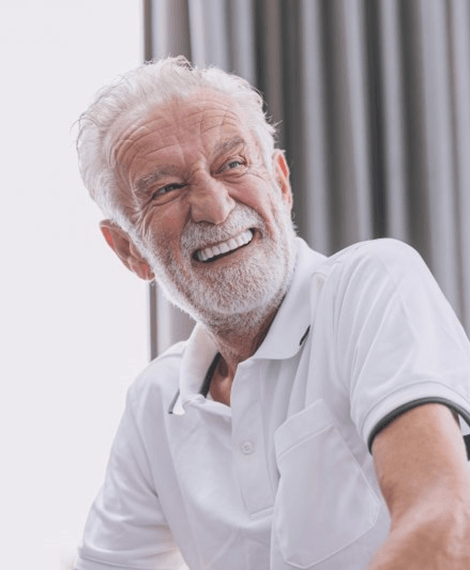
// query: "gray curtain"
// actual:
[[372, 98]]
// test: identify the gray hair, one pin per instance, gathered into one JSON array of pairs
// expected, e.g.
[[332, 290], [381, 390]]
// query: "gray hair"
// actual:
[[136, 93]]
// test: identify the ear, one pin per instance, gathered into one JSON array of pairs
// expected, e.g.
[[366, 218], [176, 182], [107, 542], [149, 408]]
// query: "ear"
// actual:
[[281, 171], [122, 245]]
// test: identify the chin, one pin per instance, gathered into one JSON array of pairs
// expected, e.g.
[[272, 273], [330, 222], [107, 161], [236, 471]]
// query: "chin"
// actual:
[[235, 294], [253, 286]]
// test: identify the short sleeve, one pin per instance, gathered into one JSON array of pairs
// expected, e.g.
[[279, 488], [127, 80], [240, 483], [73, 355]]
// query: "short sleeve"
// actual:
[[398, 342], [126, 528]]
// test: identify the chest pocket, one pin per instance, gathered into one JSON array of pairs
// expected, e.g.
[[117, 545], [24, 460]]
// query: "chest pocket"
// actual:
[[324, 502]]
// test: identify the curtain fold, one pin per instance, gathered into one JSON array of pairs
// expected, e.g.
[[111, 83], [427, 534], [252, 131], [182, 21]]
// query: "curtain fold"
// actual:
[[459, 24], [393, 181], [372, 101]]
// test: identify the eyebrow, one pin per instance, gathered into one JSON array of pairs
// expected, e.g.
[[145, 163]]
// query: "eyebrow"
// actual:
[[229, 144], [143, 184]]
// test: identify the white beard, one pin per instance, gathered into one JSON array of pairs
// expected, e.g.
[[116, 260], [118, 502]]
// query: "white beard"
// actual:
[[230, 293]]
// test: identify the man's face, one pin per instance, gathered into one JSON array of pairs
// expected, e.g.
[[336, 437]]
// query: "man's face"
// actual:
[[212, 221]]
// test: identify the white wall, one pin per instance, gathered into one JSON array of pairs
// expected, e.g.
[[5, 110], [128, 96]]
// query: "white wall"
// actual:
[[73, 320]]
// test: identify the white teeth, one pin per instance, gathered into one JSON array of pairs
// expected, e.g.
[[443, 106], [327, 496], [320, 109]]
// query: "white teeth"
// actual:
[[232, 244], [240, 241], [224, 247]]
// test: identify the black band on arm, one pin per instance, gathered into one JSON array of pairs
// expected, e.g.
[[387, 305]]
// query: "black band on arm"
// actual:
[[466, 439], [414, 404]]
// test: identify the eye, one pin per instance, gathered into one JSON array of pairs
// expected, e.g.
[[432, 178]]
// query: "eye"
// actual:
[[233, 165], [166, 189]]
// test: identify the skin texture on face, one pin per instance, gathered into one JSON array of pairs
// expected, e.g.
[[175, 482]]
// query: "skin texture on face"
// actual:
[[212, 222]]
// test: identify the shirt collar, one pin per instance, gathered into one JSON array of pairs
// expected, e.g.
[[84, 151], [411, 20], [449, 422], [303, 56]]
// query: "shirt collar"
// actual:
[[284, 337], [294, 316], [198, 355]]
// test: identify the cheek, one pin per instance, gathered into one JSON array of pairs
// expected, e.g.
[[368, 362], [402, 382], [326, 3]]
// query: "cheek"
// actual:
[[164, 226], [254, 193], [265, 202]]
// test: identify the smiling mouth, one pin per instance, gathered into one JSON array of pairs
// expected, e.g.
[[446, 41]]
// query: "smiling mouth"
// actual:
[[223, 248]]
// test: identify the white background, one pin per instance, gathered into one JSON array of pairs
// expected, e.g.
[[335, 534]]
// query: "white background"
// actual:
[[73, 320]]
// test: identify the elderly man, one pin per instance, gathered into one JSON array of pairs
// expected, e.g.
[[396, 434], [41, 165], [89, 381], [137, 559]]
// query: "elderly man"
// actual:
[[310, 419]]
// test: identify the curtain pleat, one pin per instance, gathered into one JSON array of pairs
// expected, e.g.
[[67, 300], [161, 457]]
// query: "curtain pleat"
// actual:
[[242, 45], [270, 78], [372, 101], [209, 31], [393, 161], [439, 172], [169, 29], [351, 183], [459, 26], [312, 169]]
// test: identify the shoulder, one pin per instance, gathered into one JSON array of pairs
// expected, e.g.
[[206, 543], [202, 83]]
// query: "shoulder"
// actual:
[[379, 283], [384, 252], [158, 383], [374, 264]]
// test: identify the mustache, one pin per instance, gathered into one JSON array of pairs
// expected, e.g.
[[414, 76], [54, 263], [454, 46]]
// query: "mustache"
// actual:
[[198, 235]]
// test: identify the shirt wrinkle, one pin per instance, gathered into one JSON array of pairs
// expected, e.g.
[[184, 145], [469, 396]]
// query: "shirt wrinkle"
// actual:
[[283, 479]]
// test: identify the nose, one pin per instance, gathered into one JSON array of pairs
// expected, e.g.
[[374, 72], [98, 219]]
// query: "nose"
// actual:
[[210, 200]]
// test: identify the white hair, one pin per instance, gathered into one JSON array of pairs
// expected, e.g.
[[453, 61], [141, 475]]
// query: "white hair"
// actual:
[[135, 94]]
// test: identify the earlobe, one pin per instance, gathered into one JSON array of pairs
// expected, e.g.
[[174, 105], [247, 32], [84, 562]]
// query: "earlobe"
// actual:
[[122, 245]]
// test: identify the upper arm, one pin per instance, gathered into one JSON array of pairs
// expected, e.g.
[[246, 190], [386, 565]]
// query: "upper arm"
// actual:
[[398, 346], [421, 463]]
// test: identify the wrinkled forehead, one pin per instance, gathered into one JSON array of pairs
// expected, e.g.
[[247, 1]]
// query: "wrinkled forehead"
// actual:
[[206, 114]]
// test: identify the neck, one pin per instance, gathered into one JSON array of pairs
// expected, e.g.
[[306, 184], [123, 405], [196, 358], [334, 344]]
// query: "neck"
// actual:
[[237, 337]]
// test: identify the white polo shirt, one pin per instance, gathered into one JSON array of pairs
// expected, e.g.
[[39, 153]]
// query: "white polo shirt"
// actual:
[[283, 478]]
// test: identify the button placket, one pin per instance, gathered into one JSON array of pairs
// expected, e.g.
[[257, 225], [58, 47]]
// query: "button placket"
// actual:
[[249, 454]]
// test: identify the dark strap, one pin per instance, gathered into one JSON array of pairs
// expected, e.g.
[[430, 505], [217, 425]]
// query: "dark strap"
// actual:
[[466, 439], [419, 402], [207, 380]]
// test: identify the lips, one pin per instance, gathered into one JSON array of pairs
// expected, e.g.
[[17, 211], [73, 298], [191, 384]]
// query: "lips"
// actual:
[[224, 247]]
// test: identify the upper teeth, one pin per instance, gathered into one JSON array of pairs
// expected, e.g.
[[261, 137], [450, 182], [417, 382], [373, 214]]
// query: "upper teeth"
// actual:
[[225, 246]]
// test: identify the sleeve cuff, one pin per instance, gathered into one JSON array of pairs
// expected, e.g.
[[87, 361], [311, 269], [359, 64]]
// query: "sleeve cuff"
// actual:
[[388, 418]]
